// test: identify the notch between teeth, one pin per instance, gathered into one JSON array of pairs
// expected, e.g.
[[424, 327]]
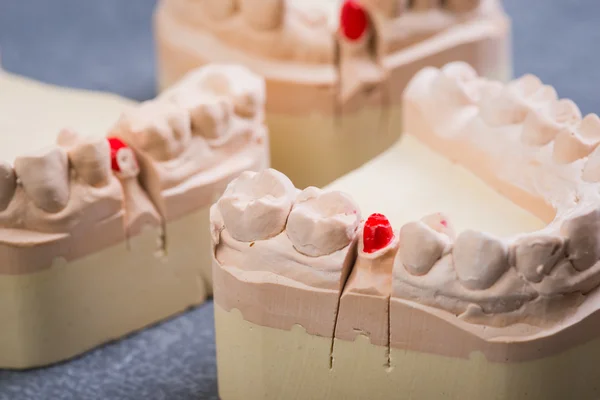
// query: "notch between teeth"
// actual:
[[263, 14], [160, 129], [8, 184], [479, 259], [44, 177], [322, 222], [255, 206]]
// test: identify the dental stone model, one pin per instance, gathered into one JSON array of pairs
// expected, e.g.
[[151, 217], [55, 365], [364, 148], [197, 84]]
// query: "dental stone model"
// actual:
[[102, 235], [478, 278], [335, 70]]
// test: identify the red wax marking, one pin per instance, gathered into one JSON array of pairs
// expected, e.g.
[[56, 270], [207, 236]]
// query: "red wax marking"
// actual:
[[116, 144], [444, 222], [377, 233], [353, 20]]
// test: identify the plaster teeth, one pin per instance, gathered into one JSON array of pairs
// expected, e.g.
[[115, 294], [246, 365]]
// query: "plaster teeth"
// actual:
[[454, 81], [68, 138], [582, 234], [462, 5], [255, 206], [573, 144], [539, 129], [591, 170], [160, 129], [210, 115], [44, 177], [91, 161], [322, 222], [420, 247], [8, 184], [388, 8], [565, 112], [263, 14], [479, 259], [220, 9], [440, 222], [534, 256]]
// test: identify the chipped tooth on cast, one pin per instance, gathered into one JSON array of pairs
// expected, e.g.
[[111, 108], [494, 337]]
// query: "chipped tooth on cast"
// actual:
[[334, 69], [104, 206], [476, 274]]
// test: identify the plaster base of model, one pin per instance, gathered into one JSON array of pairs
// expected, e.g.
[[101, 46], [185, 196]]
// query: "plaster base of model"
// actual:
[[429, 183], [61, 312], [256, 362]]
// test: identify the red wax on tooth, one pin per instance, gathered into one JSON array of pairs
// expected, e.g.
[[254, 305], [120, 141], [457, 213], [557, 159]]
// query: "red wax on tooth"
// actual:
[[377, 233], [116, 144], [444, 222], [353, 20]]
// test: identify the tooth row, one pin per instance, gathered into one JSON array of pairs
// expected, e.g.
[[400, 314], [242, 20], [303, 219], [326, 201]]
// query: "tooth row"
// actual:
[[260, 14], [258, 206], [395, 8]]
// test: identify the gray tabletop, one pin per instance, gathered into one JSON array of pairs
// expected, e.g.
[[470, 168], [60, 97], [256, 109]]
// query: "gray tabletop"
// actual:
[[107, 45]]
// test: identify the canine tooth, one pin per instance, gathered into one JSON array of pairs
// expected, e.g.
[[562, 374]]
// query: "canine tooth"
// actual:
[[322, 222], [8, 184], [539, 129], [123, 161], [220, 9], [479, 259], [591, 170], [45, 178], [263, 14], [420, 247], [161, 129], [255, 206], [439, 222], [462, 5], [91, 161], [536, 255], [583, 239], [210, 115]]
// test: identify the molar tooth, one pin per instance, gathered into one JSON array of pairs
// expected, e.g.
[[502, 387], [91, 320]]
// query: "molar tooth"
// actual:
[[583, 239], [220, 9], [263, 14], [462, 5], [91, 161], [161, 129], [45, 178], [8, 184], [420, 247], [504, 109], [536, 255], [479, 259], [210, 115], [539, 129], [566, 112], [322, 222], [255, 206]]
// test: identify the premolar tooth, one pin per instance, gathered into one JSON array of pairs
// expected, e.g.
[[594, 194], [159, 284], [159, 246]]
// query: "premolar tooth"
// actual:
[[536, 255], [583, 239], [220, 9], [91, 161], [8, 184], [255, 206], [479, 259], [210, 115], [45, 178], [420, 247], [322, 222], [162, 130], [566, 112], [263, 14], [539, 129], [462, 5]]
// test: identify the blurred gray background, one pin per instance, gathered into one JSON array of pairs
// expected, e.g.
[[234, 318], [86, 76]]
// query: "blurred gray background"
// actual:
[[107, 45]]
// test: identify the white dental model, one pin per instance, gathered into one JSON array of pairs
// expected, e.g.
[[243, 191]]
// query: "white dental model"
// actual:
[[102, 235], [334, 70], [488, 289]]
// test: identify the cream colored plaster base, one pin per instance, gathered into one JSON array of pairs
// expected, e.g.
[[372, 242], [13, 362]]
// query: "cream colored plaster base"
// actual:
[[423, 182], [61, 312], [257, 363]]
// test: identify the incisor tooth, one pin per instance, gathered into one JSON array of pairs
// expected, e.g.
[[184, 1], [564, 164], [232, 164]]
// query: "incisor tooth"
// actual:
[[536, 255], [263, 14], [322, 222], [220, 9], [91, 161], [162, 130], [45, 178], [479, 259], [255, 206], [420, 247], [583, 239], [8, 184]]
